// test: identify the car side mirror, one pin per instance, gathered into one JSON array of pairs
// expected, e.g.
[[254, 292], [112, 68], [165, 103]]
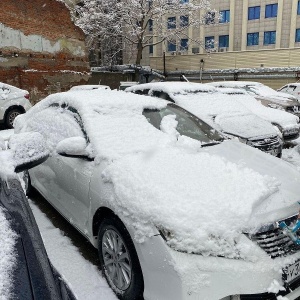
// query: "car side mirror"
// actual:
[[74, 147], [27, 150]]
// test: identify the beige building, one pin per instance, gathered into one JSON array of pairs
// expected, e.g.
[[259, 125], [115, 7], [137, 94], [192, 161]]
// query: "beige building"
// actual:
[[256, 34]]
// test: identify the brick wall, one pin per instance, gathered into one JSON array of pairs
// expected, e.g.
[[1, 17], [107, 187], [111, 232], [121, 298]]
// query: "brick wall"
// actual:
[[41, 49]]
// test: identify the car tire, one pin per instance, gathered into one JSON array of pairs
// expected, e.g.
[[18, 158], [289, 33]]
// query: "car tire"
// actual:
[[10, 117], [119, 260]]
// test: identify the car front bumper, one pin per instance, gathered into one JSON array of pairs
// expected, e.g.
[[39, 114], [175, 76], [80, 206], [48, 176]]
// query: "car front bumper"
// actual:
[[169, 274]]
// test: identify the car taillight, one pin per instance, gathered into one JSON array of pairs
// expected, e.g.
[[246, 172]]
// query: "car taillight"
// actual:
[[26, 96]]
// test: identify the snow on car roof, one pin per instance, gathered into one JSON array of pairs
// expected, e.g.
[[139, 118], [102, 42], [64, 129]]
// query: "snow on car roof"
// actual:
[[202, 198], [89, 87], [234, 83], [214, 107], [7, 256], [174, 87]]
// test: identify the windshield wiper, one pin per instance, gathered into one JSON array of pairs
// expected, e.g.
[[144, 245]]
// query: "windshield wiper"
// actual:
[[210, 144]]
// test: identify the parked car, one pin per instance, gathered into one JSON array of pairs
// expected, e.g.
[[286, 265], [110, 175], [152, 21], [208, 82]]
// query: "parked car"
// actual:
[[89, 87], [13, 102], [25, 270], [292, 89], [287, 124], [172, 216], [218, 110], [266, 95]]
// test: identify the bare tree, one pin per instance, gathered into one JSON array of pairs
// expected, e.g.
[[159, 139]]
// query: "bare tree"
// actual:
[[124, 24]]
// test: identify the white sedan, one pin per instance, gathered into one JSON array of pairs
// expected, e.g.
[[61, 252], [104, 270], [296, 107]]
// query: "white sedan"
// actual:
[[175, 212]]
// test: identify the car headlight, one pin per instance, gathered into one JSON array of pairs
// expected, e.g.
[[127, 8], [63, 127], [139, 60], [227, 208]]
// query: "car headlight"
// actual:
[[240, 247]]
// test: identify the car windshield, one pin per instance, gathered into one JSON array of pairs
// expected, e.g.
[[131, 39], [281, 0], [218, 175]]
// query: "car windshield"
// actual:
[[188, 124]]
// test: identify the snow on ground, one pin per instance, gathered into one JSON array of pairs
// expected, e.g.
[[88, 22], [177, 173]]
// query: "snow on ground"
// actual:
[[84, 278]]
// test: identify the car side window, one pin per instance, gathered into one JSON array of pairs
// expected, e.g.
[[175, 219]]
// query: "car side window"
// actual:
[[142, 92], [55, 124]]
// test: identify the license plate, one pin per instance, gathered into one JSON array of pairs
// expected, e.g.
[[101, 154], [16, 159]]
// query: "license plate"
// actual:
[[292, 271]]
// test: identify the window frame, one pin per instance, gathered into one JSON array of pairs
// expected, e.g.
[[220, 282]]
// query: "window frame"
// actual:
[[171, 23], [252, 35], [225, 16], [270, 11], [269, 42], [255, 14], [226, 40]]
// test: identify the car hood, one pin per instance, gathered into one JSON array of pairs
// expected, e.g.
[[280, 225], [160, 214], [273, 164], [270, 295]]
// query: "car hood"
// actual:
[[205, 198], [280, 98], [245, 126]]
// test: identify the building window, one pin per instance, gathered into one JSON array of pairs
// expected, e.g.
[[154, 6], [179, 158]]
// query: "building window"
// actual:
[[252, 39], [171, 47], [297, 39], [253, 12], [223, 41], [271, 10], [171, 22], [224, 16], [210, 17], [209, 42], [183, 44], [150, 23], [184, 1], [269, 37], [184, 21], [151, 49], [150, 3], [298, 8]]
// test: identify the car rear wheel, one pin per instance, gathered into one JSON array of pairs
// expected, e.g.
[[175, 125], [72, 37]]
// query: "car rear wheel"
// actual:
[[119, 261], [10, 117]]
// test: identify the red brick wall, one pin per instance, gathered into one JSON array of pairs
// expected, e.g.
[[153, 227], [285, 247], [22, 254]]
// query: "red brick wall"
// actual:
[[41, 73]]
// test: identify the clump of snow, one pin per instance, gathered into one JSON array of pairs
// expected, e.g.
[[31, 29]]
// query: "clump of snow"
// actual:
[[169, 182], [275, 287], [7, 257], [73, 145], [168, 125]]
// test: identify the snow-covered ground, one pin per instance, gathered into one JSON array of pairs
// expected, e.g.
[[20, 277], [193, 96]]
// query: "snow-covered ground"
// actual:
[[84, 278]]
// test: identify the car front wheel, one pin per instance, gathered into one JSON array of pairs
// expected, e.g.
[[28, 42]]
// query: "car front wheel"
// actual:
[[119, 261]]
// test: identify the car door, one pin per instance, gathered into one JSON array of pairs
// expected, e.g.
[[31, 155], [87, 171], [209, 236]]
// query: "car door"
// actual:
[[64, 181]]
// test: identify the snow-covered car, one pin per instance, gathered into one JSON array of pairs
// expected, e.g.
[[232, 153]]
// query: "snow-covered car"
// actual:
[[13, 101], [266, 95], [25, 270], [174, 212], [86, 87], [286, 124], [292, 89], [218, 110]]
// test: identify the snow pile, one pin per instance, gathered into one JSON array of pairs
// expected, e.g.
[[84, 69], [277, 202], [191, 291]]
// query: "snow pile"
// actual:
[[7, 257], [198, 197]]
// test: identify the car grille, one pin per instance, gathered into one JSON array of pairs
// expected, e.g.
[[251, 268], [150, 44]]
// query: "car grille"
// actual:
[[293, 109], [274, 242], [266, 144]]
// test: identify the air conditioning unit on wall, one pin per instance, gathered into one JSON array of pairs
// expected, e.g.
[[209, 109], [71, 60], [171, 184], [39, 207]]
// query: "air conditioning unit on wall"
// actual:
[[223, 49]]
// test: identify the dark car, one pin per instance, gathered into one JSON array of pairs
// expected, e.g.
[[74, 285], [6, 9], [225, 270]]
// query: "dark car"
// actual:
[[31, 275]]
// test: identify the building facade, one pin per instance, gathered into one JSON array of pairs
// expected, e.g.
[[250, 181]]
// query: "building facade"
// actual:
[[41, 50], [248, 34]]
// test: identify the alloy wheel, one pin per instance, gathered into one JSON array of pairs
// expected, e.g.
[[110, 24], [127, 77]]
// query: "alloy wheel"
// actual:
[[116, 259]]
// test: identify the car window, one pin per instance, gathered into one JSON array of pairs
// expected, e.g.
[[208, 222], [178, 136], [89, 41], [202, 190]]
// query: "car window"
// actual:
[[188, 124], [142, 92], [55, 124]]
